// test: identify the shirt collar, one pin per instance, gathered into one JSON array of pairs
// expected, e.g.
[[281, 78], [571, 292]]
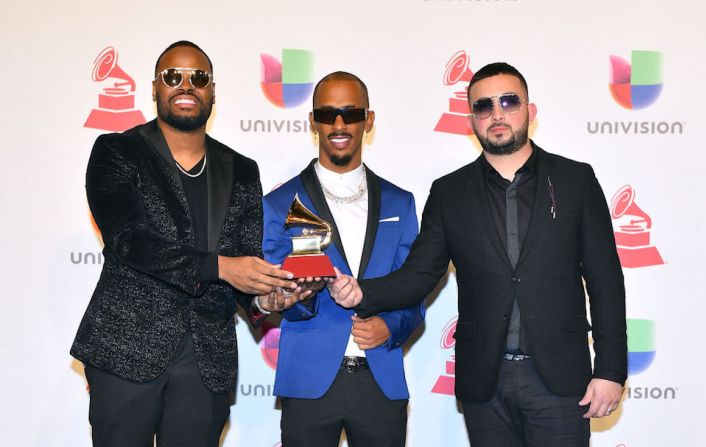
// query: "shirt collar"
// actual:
[[330, 179], [530, 165]]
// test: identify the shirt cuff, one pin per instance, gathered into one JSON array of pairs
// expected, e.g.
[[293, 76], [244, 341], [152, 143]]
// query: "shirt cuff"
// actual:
[[257, 309], [209, 269], [613, 377]]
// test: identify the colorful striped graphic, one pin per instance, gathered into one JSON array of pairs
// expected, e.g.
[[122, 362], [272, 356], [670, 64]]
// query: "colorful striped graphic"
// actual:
[[288, 83], [638, 85], [641, 345]]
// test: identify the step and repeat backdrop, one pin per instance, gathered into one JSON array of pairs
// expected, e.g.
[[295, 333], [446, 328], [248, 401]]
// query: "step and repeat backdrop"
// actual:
[[617, 84]]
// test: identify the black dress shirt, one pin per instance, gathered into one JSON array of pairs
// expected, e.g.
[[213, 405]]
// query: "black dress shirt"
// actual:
[[510, 204]]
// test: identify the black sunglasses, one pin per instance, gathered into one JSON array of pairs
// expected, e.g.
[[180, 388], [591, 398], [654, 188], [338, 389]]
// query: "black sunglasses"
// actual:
[[173, 77], [327, 115], [509, 103]]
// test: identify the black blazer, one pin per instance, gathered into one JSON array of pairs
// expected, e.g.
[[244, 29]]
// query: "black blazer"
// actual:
[[558, 254], [151, 290]]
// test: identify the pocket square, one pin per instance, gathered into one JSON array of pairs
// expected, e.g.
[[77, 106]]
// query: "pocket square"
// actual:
[[391, 219]]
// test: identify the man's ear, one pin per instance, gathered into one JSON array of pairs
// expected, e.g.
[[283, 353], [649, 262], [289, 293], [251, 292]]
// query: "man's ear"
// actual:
[[312, 123], [369, 121], [532, 111]]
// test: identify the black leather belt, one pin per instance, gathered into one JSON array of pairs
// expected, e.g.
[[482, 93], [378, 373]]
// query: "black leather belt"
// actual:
[[515, 357], [354, 364]]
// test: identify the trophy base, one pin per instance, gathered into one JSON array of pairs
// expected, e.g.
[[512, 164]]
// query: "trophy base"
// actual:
[[639, 256], [304, 266], [114, 121], [452, 123], [444, 385]]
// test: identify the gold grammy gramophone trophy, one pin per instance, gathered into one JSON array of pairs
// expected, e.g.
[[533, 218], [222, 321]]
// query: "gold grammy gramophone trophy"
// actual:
[[307, 258]]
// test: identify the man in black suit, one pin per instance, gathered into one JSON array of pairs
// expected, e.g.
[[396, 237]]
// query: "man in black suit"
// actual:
[[524, 229], [181, 219]]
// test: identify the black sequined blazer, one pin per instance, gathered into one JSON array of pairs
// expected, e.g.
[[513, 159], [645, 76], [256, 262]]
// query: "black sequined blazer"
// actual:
[[150, 292]]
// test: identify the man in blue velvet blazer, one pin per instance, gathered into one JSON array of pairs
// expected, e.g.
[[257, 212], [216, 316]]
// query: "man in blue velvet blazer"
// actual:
[[336, 371]]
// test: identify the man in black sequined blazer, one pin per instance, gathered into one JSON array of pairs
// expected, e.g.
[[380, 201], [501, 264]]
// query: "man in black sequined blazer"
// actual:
[[181, 219]]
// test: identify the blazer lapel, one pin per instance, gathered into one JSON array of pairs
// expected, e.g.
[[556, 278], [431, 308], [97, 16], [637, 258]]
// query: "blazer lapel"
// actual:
[[155, 140], [219, 168], [478, 196], [316, 195], [373, 219], [154, 137], [540, 208]]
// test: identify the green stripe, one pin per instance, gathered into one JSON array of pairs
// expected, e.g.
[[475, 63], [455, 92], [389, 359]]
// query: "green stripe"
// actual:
[[641, 335], [297, 66], [646, 68]]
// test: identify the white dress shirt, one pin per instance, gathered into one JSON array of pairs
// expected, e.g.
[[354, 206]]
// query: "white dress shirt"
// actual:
[[351, 219]]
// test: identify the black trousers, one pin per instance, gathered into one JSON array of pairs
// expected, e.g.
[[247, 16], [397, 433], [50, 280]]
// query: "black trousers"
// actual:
[[354, 403], [524, 413], [176, 407]]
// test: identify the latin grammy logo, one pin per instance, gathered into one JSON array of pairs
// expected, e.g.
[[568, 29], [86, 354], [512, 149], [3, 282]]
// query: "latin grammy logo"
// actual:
[[446, 382], [456, 120], [632, 231], [116, 105]]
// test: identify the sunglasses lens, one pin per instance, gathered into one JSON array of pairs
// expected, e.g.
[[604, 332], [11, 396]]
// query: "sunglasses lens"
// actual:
[[351, 116], [325, 116], [510, 103], [200, 78], [483, 108], [172, 77]]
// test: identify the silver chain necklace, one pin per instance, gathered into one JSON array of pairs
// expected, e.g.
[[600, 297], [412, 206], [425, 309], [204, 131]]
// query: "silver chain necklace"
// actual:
[[362, 189], [203, 166]]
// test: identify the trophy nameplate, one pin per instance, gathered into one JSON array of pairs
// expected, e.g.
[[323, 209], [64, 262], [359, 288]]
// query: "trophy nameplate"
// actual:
[[307, 258]]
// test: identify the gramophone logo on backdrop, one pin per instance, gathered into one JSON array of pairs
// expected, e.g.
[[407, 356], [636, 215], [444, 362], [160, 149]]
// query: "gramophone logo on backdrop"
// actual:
[[116, 104], [456, 119], [636, 85], [446, 382], [288, 83], [269, 345], [632, 227]]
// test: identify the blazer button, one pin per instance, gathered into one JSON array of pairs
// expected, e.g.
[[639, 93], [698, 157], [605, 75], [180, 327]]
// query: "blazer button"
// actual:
[[515, 279]]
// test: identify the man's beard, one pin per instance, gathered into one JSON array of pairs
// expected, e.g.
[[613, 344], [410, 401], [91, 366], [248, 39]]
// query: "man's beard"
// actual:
[[512, 145], [183, 123], [340, 160]]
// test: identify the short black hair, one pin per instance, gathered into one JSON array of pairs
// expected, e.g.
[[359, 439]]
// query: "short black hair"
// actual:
[[342, 76], [183, 43], [494, 69]]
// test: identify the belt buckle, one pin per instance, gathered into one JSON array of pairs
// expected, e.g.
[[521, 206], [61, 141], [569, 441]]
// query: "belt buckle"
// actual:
[[350, 364]]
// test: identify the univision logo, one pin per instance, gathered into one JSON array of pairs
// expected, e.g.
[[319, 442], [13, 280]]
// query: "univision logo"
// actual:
[[287, 83], [641, 354], [641, 345], [636, 84]]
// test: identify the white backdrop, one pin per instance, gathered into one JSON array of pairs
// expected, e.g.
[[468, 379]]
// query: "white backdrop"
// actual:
[[51, 260]]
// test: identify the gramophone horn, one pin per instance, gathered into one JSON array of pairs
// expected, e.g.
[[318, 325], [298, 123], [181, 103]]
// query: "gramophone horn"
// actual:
[[457, 69], [301, 215], [623, 203], [106, 66]]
